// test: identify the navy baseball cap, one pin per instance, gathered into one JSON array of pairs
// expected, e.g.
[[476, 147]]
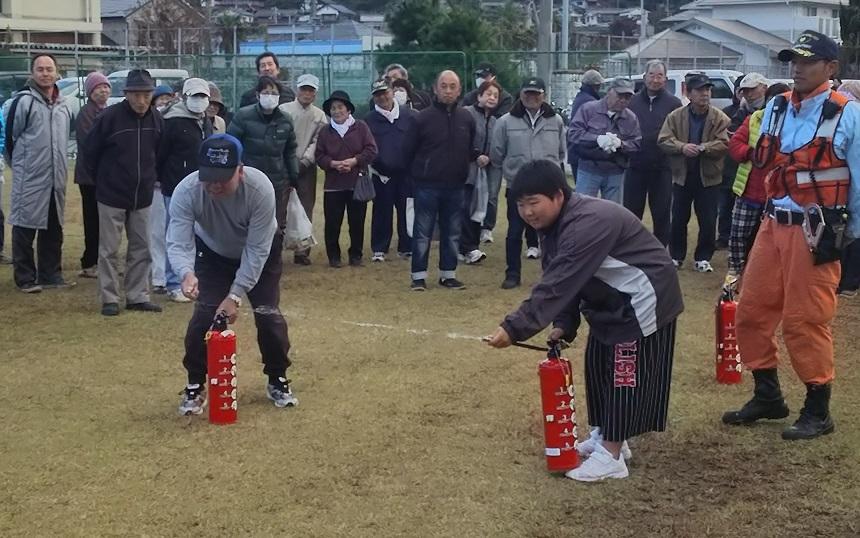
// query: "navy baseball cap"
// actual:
[[219, 156], [812, 46], [533, 84]]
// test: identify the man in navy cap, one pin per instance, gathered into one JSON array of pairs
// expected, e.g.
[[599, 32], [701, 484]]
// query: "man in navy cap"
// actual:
[[226, 213]]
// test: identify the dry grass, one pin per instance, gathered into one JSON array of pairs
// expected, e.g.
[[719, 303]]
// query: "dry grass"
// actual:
[[398, 433]]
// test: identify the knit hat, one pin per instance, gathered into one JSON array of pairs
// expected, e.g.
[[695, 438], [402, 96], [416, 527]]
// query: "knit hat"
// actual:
[[93, 81], [215, 94], [161, 90], [591, 78]]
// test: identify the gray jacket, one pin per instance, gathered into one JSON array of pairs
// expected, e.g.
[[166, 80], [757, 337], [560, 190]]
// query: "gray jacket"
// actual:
[[483, 142], [592, 120], [516, 142], [39, 163]]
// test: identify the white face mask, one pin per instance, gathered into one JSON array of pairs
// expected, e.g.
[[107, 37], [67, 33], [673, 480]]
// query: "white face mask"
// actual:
[[269, 102], [401, 98], [197, 105], [478, 82]]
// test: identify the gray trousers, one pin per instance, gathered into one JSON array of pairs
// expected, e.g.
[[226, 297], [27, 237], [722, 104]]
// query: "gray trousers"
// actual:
[[137, 258]]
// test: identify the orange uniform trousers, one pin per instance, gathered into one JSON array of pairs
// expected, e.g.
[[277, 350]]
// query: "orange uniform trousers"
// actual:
[[782, 285]]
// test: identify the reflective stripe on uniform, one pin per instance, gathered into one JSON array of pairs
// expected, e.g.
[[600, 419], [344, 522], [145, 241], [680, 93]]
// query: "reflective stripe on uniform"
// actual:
[[830, 174]]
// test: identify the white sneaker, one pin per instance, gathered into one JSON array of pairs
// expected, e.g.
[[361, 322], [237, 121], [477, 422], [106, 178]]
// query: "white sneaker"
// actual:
[[486, 236], [703, 266], [378, 257], [193, 400], [533, 253], [280, 393], [595, 439], [177, 296], [476, 256], [461, 258], [599, 466], [677, 263]]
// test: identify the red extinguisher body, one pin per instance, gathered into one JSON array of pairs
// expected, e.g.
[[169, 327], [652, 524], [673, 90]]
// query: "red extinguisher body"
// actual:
[[221, 366], [728, 357], [559, 412]]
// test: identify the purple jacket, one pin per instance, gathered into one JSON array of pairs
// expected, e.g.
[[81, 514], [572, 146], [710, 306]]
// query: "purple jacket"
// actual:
[[592, 120], [598, 259], [358, 143]]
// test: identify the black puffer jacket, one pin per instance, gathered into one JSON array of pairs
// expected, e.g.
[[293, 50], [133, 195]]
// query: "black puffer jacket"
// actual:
[[180, 143], [250, 97], [120, 154], [270, 143], [440, 146]]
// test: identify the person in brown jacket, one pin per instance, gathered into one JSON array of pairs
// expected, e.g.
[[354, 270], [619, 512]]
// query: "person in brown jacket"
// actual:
[[695, 138], [345, 148], [97, 88]]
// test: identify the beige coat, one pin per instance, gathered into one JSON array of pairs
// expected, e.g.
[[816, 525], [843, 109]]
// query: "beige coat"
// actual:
[[715, 139]]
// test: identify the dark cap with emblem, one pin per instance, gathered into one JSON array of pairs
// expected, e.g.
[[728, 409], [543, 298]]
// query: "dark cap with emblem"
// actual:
[[533, 84], [218, 158], [485, 70], [695, 81], [811, 45], [380, 85]]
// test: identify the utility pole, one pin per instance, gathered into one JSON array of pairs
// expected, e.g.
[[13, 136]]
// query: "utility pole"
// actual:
[[545, 40], [565, 33]]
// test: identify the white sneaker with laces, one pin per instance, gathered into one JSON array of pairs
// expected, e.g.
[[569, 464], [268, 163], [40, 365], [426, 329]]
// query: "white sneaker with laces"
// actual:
[[587, 447], [461, 258], [177, 296], [703, 266], [279, 392], [599, 466], [476, 256], [193, 400], [486, 236], [533, 253], [677, 263], [378, 257]]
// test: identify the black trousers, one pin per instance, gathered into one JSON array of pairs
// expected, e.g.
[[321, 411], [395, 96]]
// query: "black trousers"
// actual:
[[215, 274], [90, 208], [514, 240], [724, 209], [704, 200], [851, 267], [470, 234], [655, 185], [49, 246], [390, 198], [335, 204], [627, 384]]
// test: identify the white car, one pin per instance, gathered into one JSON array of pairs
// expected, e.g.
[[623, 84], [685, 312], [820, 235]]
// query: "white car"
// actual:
[[72, 90], [162, 77]]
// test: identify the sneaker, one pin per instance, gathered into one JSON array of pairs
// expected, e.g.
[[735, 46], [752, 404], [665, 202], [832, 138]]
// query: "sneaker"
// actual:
[[89, 272], [356, 262], [404, 255], [486, 236], [57, 285], [30, 287], [177, 296], [533, 253], [418, 285], [475, 257], [193, 400], [278, 390], [510, 283], [301, 259], [677, 263], [703, 266], [451, 284], [378, 257], [159, 290], [461, 258], [599, 466], [5, 260], [587, 447], [846, 294], [110, 309], [145, 306]]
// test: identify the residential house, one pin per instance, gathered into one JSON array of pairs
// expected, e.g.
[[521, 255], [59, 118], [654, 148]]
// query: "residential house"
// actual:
[[40, 23], [160, 26]]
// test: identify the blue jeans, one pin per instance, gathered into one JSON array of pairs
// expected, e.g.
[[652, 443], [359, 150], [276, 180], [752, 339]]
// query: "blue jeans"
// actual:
[[447, 204], [609, 186], [171, 278]]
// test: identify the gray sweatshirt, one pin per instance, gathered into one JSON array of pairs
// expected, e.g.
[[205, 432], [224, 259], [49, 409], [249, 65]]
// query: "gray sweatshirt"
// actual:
[[240, 227]]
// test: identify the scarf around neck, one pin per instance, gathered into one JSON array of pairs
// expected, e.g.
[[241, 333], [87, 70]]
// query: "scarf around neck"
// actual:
[[342, 128], [392, 115]]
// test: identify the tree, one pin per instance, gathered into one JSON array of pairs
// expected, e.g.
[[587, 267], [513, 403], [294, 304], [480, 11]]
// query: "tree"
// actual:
[[624, 26], [849, 21]]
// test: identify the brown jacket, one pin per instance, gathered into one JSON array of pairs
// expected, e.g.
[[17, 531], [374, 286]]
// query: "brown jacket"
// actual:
[[358, 143], [715, 139]]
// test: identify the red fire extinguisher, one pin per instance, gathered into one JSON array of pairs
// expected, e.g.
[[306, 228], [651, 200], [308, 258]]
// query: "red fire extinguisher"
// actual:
[[221, 363], [559, 410], [728, 359]]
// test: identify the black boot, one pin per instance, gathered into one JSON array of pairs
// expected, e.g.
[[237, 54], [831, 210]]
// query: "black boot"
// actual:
[[766, 402], [814, 418]]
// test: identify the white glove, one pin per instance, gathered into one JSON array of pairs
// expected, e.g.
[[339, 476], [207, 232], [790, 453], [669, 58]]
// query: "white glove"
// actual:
[[616, 142], [604, 141]]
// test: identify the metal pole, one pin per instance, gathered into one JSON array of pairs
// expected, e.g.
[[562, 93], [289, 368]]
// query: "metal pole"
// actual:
[[565, 33], [235, 65], [126, 45], [643, 23], [545, 40], [77, 57], [29, 44], [179, 49]]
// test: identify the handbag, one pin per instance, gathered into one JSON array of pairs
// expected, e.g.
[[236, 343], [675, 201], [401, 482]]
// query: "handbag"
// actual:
[[480, 197], [364, 190]]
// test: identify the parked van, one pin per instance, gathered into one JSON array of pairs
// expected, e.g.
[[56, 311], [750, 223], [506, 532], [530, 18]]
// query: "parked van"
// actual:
[[167, 77], [721, 94]]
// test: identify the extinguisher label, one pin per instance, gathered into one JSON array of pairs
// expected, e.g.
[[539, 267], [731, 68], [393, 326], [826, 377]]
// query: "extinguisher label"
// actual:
[[626, 355], [553, 452], [550, 418]]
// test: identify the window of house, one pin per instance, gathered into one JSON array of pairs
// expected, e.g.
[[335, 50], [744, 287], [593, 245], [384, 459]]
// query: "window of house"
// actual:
[[835, 14], [810, 11]]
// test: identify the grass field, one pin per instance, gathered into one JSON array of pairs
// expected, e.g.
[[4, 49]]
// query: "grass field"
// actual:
[[405, 428]]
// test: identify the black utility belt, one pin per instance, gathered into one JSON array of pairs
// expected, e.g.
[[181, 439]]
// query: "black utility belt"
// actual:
[[783, 216]]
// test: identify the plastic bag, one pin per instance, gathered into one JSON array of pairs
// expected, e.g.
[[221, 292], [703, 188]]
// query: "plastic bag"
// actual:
[[480, 197], [299, 233], [410, 215]]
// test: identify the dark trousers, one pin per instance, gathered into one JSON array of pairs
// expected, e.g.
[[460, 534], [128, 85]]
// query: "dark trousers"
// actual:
[[390, 196], [514, 240], [704, 201], [335, 204], [49, 246], [215, 274], [90, 207], [281, 198], [470, 234], [725, 208], [851, 267], [656, 186]]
